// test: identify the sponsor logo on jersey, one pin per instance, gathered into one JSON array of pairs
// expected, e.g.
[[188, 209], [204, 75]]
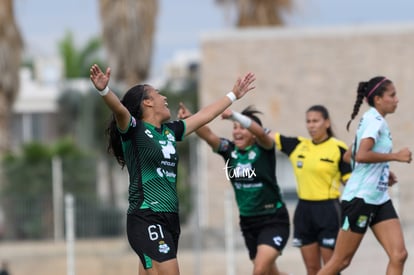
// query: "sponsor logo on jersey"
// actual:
[[167, 148], [241, 185], [233, 155], [148, 133], [252, 155], [168, 163], [162, 172], [133, 122], [169, 136], [224, 145]]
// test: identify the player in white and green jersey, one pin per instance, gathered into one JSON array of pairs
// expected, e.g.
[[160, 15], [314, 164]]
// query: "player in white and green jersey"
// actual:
[[142, 139], [365, 200], [374, 175]]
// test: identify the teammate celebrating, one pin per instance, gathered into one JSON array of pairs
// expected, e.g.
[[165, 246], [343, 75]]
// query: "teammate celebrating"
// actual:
[[251, 168], [142, 140]]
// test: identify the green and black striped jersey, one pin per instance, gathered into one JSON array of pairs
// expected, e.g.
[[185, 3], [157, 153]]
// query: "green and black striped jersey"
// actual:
[[252, 173], [151, 159]]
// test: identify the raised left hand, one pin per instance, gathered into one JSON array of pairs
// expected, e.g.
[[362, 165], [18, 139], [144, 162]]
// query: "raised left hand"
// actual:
[[183, 111], [227, 114]]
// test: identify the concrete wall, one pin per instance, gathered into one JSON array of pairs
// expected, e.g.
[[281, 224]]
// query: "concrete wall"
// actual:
[[295, 69]]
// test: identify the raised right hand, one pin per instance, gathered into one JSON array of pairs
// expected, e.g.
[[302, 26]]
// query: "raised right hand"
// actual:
[[98, 78]]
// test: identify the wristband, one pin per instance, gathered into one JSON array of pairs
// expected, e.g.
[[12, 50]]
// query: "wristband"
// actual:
[[244, 121], [104, 92], [231, 96]]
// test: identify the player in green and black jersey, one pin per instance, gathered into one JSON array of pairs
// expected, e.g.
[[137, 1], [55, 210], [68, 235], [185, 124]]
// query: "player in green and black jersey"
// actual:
[[142, 139], [250, 164]]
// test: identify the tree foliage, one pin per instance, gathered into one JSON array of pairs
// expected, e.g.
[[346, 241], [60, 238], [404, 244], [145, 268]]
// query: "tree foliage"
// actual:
[[28, 185], [11, 46], [128, 29], [77, 61], [29, 174]]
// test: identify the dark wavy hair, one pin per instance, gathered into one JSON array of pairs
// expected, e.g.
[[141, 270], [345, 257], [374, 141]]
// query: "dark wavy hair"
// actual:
[[132, 101], [325, 114], [250, 111], [376, 86]]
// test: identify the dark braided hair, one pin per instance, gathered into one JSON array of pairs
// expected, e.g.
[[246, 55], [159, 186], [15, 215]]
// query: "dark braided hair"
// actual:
[[251, 112], [325, 114], [376, 86], [132, 101]]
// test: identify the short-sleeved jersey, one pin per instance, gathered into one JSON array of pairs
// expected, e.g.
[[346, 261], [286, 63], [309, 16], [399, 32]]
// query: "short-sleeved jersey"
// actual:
[[151, 159], [369, 181], [253, 177], [319, 168]]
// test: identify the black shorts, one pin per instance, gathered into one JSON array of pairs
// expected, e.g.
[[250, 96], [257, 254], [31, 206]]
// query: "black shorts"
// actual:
[[358, 215], [316, 222], [153, 235], [272, 230]]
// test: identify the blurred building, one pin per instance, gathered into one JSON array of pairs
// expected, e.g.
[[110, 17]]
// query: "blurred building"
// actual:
[[35, 108], [176, 72]]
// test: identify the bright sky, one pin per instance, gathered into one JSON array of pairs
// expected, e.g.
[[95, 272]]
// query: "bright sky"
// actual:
[[181, 22]]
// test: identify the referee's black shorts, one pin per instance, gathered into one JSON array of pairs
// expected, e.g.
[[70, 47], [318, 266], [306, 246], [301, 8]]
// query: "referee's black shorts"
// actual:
[[316, 222]]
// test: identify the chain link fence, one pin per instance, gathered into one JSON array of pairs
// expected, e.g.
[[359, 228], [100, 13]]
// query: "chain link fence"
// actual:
[[33, 219]]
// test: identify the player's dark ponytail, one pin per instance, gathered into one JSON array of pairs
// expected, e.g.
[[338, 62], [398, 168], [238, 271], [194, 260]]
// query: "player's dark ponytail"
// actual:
[[132, 101], [374, 87], [251, 112]]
